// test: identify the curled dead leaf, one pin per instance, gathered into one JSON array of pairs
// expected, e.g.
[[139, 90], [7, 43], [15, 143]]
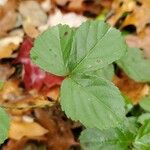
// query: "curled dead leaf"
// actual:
[[119, 7], [140, 16], [134, 90]]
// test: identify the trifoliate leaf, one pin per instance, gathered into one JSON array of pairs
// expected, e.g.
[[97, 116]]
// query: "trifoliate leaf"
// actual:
[[135, 65], [52, 48], [63, 51], [4, 125], [142, 140], [145, 103], [110, 139], [95, 102]]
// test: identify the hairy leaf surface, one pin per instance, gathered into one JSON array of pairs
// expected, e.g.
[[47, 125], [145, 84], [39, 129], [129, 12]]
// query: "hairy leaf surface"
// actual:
[[111, 139], [95, 102], [135, 65]]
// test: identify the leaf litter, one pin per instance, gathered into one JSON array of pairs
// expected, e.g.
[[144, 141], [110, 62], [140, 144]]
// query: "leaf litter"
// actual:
[[29, 93]]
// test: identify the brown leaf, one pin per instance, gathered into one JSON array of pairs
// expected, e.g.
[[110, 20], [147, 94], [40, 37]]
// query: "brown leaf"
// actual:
[[93, 7], [20, 144], [20, 129], [135, 91], [10, 91], [140, 16], [6, 71], [8, 45], [31, 10], [119, 7], [60, 136], [8, 17], [141, 40], [30, 29]]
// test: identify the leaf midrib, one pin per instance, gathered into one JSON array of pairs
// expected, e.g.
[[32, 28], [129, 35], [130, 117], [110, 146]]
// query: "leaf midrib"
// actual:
[[90, 51], [98, 100]]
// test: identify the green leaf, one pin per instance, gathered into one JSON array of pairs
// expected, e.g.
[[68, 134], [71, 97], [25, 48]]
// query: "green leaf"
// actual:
[[135, 65], [106, 72], [142, 140], [128, 103], [95, 45], [4, 125], [144, 117], [62, 50], [110, 139], [52, 48], [145, 103], [95, 102]]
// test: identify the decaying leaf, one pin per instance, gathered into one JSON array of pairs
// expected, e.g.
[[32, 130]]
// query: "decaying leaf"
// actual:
[[8, 45], [10, 91], [8, 17], [28, 102], [6, 71], [140, 40], [132, 12], [31, 10], [30, 29], [33, 76], [134, 90], [20, 129], [93, 7], [57, 131], [119, 7], [139, 17], [21, 144], [71, 19]]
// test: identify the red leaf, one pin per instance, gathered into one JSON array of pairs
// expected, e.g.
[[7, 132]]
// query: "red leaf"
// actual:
[[33, 76]]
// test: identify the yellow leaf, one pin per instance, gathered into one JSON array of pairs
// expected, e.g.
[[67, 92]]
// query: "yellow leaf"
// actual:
[[19, 129]]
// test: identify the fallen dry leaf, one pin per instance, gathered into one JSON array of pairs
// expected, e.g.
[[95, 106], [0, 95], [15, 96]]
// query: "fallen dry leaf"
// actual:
[[53, 93], [134, 90], [141, 40], [30, 29], [21, 144], [139, 17], [6, 71], [57, 131], [33, 76], [32, 9], [93, 7], [119, 7], [20, 129], [27, 102], [8, 16], [8, 45], [71, 19], [10, 91]]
